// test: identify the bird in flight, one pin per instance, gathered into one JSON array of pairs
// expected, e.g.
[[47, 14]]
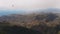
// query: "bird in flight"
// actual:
[[12, 5]]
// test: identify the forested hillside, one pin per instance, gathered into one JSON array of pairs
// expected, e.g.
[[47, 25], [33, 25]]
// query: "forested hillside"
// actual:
[[47, 23]]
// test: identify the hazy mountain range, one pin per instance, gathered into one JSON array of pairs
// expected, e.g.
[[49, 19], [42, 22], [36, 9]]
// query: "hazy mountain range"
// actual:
[[7, 12]]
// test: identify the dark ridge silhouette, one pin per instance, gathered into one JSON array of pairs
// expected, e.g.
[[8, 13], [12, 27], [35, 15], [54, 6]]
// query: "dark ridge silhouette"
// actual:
[[19, 30], [57, 29], [47, 30], [40, 29]]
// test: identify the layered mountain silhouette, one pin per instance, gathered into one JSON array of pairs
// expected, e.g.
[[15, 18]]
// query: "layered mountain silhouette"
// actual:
[[38, 23], [19, 19], [34, 23]]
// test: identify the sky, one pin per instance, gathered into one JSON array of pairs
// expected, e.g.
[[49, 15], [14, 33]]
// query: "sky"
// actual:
[[29, 4]]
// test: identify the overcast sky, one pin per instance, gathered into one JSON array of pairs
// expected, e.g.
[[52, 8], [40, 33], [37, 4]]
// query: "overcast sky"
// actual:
[[29, 4]]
